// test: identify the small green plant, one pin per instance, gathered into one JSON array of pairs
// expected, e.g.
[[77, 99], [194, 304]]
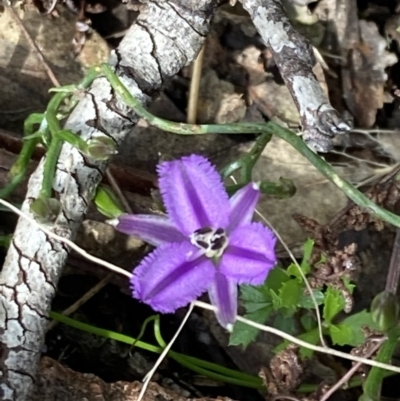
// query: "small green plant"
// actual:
[[284, 301]]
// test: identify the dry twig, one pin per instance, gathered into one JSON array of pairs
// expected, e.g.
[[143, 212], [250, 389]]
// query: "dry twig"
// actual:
[[295, 59]]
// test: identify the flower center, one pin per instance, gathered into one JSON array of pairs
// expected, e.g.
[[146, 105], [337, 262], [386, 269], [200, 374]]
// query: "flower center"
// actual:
[[213, 240]]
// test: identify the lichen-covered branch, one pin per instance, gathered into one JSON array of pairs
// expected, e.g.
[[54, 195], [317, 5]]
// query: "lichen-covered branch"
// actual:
[[167, 36], [295, 59]]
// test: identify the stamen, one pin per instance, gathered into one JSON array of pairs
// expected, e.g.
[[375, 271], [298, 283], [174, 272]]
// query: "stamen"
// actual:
[[213, 241], [218, 243], [205, 230], [202, 244]]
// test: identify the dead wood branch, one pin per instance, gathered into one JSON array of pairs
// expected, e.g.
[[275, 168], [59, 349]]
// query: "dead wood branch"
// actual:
[[295, 59], [166, 36]]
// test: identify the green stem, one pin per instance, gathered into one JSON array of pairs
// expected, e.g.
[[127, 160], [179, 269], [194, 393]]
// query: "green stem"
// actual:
[[270, 127], [247, 161], [215, 376], [57, 134], [373, 383], [190, 362], [200, 363], [205, 368], [54, 149], [177, 128], [49, 168], [103, 332], [74, 140], [250, 159], [325, 168], [285, 189], [19, 168]]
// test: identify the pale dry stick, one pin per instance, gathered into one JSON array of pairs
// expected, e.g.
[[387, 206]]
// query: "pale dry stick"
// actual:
[[33, 45], [320, 59], [194, 88], [331, 55], [345, 378], [321, 336], [66, 241], [373, 131], [83, 299], [150, 374], [358, 159], [301, 343], [378, 174]]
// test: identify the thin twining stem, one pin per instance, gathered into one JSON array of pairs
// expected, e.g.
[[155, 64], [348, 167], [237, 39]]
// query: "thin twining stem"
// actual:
[[204, 305], [242, 128], [66, 241], [305, 344]]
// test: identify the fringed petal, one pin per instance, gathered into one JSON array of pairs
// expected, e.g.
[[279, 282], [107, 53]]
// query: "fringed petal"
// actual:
[[172, 276], [193, 194], [243, 204], [250, 254]]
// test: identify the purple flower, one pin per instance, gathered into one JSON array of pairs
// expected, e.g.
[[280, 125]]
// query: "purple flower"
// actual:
[[207, 242]]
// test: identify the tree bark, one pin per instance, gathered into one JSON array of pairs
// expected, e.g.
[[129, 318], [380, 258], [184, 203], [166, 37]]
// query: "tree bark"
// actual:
[[166, 36], [294, 56]]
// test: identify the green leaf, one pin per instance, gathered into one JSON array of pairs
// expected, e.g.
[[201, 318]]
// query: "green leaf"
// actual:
[[342, 334], [254, 298], [285, 323], [293, 270], [5, 240], [308, 247], [275, 278], [258, 297], [311, 337], [308, 321], [242, 333], [73, 139], [276, 300], [306, 301], [290, 293], [250, 293], [334, 303], [107, 202], [350, 330]]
